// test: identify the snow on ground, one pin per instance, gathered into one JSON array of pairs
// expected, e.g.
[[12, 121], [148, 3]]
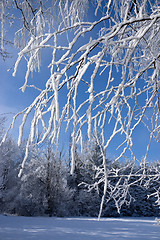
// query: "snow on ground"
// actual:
[[43, 228]]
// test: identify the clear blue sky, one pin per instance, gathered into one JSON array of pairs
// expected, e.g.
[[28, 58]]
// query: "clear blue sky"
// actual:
[[12, 100]]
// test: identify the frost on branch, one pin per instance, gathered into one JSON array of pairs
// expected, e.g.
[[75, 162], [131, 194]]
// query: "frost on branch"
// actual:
[[106, 70]]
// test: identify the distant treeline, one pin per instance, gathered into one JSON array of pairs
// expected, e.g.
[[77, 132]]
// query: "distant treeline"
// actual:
[[47, 188]]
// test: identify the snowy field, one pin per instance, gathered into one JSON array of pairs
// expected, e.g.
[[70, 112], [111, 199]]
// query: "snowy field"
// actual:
[[39, 228]]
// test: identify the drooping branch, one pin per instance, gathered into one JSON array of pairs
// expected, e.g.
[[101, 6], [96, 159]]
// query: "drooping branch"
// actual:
[[106, 71]]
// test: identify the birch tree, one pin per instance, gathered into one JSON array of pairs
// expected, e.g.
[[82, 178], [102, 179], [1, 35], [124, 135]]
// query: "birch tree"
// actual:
[[103, 62]]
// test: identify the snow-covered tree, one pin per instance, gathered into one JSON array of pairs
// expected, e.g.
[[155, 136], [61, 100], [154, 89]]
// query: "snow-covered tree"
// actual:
[[44, 187], [110, 55], [10, 158]]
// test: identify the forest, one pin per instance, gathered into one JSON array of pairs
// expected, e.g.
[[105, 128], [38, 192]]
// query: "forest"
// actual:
[[46, 187]]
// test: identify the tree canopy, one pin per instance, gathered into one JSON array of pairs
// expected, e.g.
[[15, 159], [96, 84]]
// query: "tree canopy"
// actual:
[[103, 70]]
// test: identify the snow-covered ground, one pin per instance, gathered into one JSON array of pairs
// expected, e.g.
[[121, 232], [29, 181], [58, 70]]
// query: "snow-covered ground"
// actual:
[[41, 228]]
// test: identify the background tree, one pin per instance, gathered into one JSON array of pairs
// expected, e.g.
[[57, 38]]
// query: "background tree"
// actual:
[[46, 188], [10, 157]]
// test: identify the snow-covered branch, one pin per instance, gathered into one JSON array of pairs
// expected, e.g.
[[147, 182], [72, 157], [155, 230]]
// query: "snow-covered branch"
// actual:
[[104, 73]]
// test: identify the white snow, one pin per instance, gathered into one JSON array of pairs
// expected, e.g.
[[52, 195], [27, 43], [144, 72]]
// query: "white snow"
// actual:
[[43, 228]]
